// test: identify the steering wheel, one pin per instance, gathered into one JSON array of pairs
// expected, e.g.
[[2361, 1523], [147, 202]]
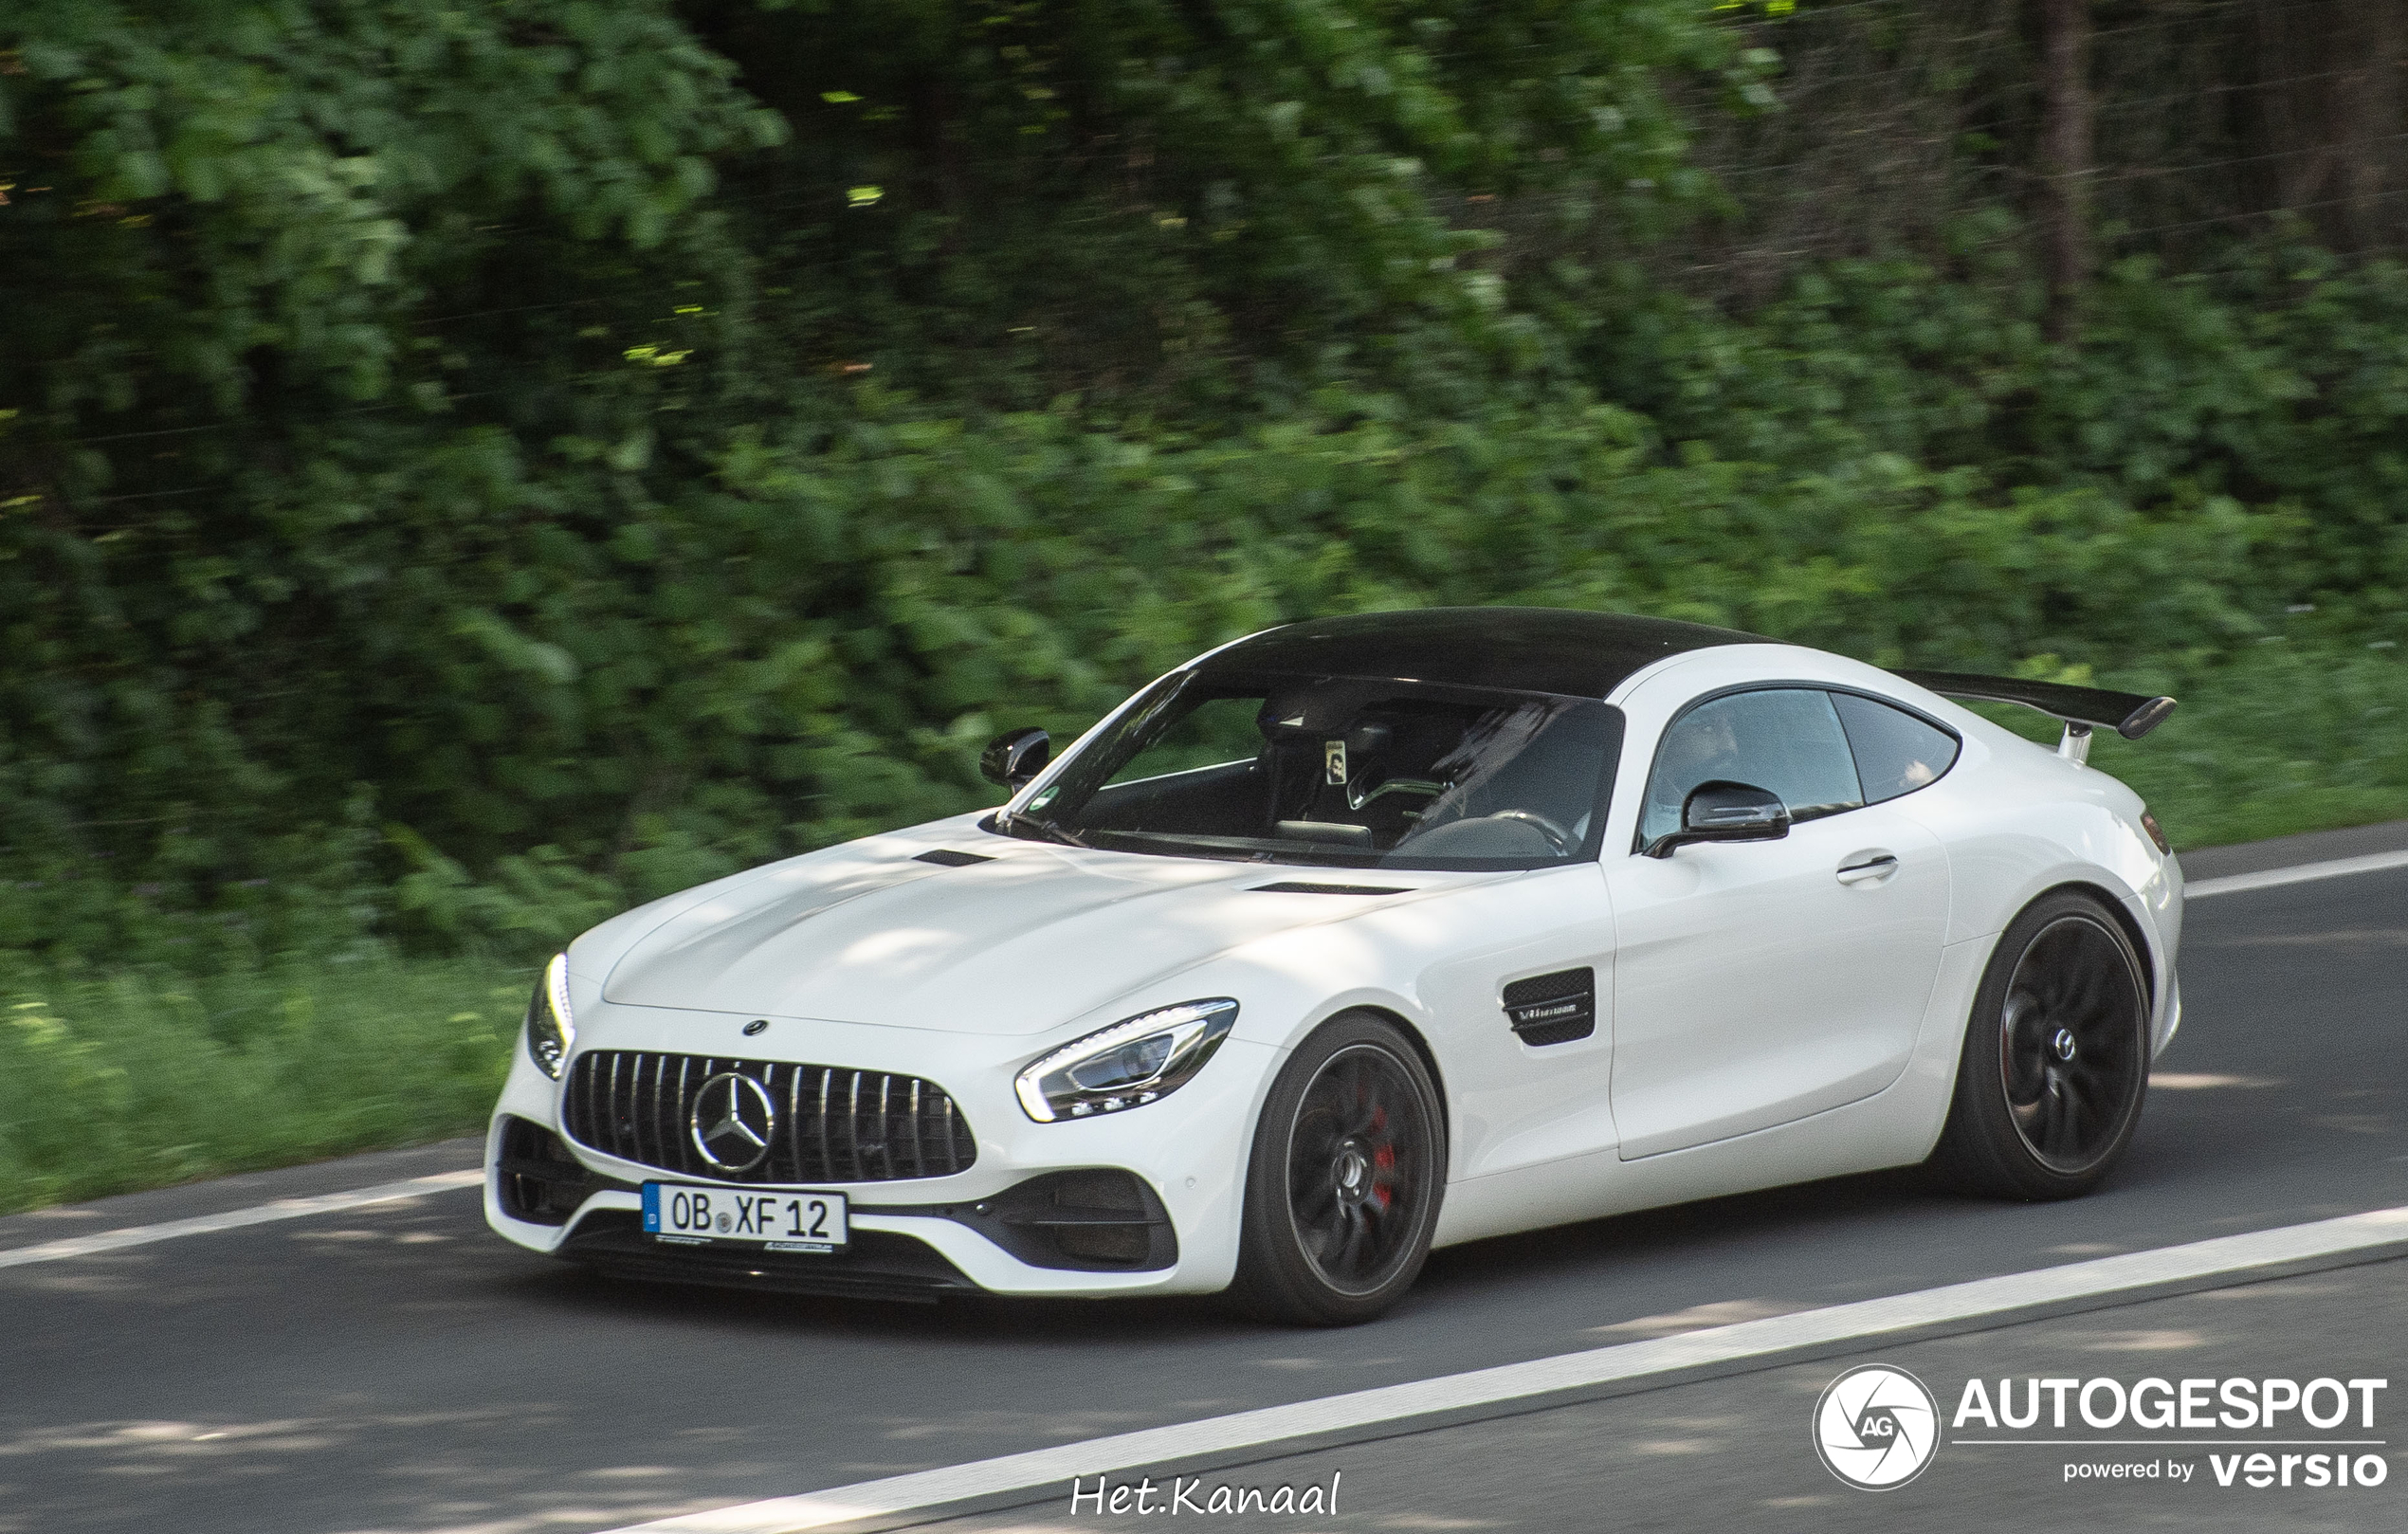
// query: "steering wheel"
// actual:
[[1556, 835]]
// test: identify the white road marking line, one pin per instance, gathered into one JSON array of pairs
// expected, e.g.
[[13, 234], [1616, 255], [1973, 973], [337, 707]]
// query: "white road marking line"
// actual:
[[2233, 884], [233, 1219], [1863, 1320]]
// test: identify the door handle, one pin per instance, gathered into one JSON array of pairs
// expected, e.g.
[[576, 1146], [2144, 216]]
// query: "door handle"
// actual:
[[1868, 868]]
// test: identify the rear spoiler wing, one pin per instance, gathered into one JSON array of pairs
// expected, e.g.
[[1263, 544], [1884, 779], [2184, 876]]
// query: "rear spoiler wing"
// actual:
[[2129, 714]]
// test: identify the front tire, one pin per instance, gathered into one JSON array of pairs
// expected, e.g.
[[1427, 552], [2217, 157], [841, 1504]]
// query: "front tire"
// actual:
[[1342, 1188], [2056, 1056]]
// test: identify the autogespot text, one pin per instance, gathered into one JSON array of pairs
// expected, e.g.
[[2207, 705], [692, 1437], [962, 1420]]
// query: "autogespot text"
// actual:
[[2257, 1432]]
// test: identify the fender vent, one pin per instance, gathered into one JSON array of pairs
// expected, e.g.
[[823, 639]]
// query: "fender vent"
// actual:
[[1553, 1009], [1299, 887], [948, 858]]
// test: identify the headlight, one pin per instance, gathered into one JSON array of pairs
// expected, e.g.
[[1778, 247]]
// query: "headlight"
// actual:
[[551, 1029], [1127, 1064]]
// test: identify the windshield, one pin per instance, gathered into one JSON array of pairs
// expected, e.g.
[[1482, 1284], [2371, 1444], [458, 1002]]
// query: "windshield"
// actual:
[[1337, 771]]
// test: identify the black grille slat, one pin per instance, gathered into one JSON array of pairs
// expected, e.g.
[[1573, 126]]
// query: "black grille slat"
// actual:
[[623, 1116], [654, 1115], [645, 1113], [827, 1141], [671, 1104], [792, 1116], [595, 1101], [852, 1124], [632, 1114], [634, 1104], [886, 1140]]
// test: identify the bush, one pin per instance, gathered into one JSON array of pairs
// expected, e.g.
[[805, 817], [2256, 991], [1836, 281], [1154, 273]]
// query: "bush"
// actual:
[[468, 473]]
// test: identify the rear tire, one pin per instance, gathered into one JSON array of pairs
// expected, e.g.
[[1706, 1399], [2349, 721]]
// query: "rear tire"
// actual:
[[1342, 1189], [2055, 1060]]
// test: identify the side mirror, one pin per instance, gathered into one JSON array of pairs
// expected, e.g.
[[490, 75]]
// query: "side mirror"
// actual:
[[1016, 756], [1720, 811]]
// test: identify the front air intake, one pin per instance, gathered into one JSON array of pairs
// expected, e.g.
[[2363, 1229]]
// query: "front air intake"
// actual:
[[1100, 1219], [538, 1180], [826, 1124], [1553, 1009]]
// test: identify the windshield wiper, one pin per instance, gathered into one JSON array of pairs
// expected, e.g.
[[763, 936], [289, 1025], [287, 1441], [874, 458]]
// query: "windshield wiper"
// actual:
[[1052, 832], [1251, 848]]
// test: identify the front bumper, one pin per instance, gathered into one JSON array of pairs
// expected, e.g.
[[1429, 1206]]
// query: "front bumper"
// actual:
[[919, 1237]]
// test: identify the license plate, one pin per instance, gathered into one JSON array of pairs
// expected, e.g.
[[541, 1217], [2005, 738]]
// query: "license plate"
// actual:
[[687, 1215]]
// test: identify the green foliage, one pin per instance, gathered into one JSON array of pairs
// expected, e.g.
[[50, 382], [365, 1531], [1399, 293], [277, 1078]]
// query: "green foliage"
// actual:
[[465, 470], [469, 470], [204, 182], [1202, 203]]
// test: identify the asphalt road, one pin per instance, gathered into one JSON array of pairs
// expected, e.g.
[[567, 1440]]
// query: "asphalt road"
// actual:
[[397, 1368], [1734, 1453]]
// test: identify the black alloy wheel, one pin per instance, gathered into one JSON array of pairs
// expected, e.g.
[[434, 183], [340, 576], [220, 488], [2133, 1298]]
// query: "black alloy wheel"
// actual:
[[2070, 1041], [1344, 1188], [2056, 1056]]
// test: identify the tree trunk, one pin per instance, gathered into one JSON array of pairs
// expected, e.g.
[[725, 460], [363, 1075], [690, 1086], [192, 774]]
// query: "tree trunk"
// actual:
[[2368, 113], [2066, 137], [2330, 116]]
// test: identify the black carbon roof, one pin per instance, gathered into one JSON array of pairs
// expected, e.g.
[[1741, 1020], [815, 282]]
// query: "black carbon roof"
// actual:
[[1528, 648]]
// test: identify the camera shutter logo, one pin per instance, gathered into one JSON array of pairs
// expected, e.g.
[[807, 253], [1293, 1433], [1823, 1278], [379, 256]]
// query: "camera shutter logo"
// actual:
[[1877, 1427], [733, 1121]]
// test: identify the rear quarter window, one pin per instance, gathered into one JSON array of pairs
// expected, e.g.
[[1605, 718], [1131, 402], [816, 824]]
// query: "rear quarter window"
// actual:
[[1896, 752]]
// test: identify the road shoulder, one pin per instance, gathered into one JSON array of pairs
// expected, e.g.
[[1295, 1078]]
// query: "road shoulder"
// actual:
[[219, 1195]]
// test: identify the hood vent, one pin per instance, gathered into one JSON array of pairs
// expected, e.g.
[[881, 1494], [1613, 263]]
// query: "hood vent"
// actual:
[[1299, 887], [1553, 1009], [946, 858]]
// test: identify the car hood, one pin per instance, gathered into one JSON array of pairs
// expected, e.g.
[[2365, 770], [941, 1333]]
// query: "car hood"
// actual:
[[1031, 938]]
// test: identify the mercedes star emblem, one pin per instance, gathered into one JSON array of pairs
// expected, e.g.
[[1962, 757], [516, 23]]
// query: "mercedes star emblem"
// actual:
[[733, 1121]]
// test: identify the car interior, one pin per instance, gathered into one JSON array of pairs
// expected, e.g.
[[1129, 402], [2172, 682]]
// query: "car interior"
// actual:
[[1351, 766]]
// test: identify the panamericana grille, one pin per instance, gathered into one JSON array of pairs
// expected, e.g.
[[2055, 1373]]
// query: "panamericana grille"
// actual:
[[833, 1125]]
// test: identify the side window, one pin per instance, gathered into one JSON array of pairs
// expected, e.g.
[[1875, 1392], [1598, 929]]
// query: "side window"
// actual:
[[1896, 752], [1787, 739]]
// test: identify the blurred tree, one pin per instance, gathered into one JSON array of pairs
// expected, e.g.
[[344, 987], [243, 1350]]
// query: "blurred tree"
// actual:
[[234, 241], [1178, 201], [2328, 116], [2067, 115], [553, 453]]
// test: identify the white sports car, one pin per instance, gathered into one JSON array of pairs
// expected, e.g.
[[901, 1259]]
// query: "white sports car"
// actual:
[[1359, 936]]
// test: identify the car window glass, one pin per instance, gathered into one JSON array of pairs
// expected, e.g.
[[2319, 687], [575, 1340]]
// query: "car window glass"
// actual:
[[1219, 730], [1896, 752], [1785, 739], [1341, 772]]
